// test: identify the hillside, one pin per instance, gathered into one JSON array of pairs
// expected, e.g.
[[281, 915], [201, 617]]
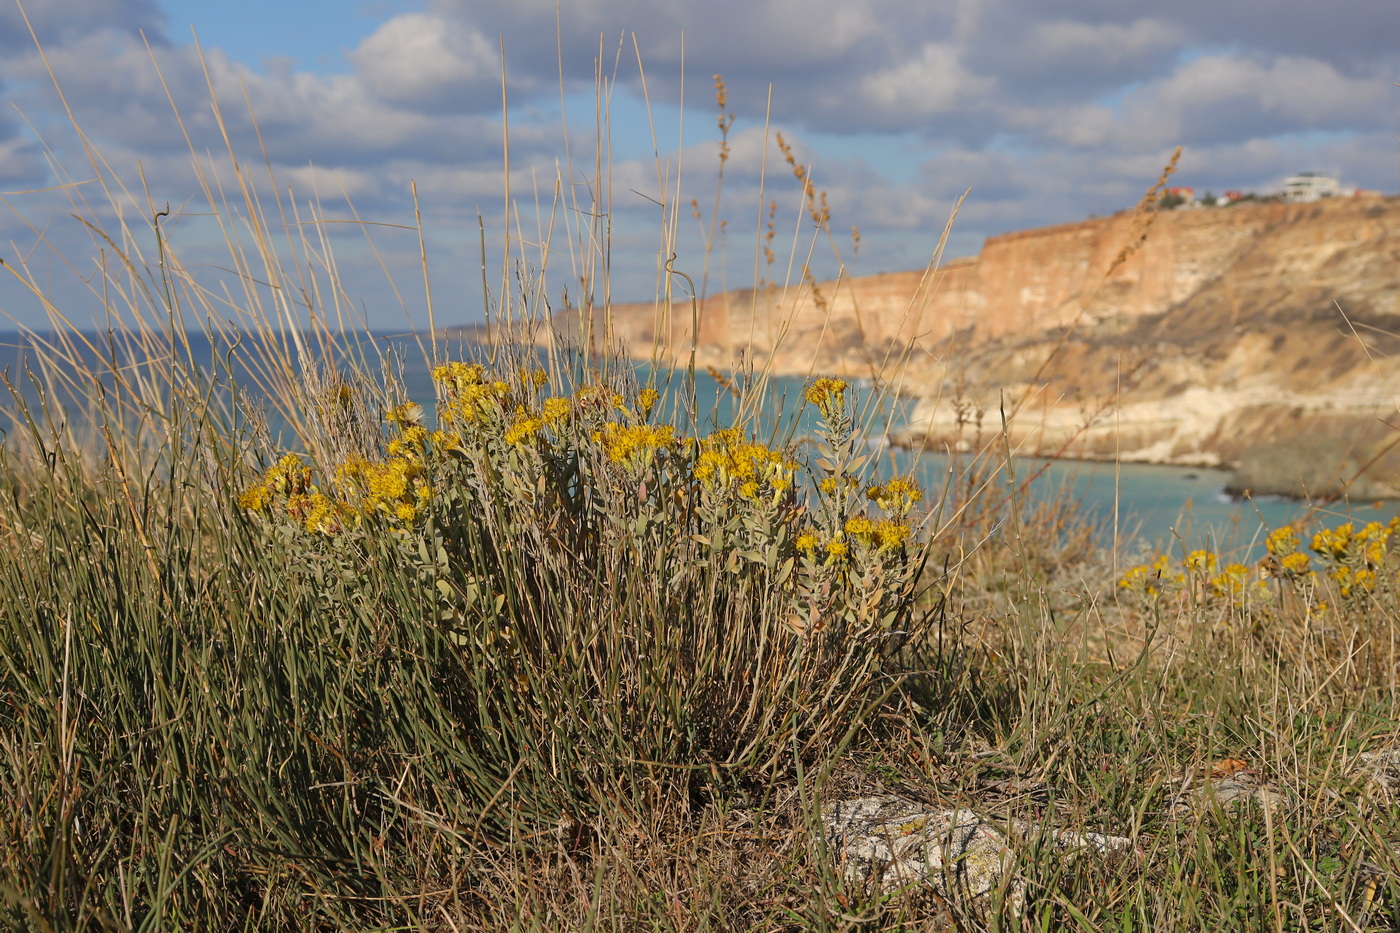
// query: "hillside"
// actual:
[[1253, 328]]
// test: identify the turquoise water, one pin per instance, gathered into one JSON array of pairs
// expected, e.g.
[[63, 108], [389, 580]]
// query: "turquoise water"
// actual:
[[1138, 507]]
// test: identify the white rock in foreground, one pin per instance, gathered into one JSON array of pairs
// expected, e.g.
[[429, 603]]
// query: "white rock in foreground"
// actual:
[[901, 844]]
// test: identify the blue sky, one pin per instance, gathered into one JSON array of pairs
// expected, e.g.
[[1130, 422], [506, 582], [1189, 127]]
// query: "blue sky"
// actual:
[[316, 34], [1042, 111]]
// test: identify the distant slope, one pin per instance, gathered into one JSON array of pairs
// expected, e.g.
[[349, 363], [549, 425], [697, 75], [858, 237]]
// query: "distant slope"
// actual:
[[1228, 330]]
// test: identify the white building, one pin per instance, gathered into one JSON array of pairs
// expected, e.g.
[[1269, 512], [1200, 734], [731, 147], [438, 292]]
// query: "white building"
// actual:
[[1310, 186]]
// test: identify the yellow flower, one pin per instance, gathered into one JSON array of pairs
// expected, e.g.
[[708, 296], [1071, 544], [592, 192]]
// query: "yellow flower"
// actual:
[[476, 403], [410, 443], [288, 476], [646, 401], [457, 376], [1296, 563], [523, 431], [824, 392], [836, 551], [1231, 581], [323, 515], [256, 499], [1335, 543], [806, 542], [897, 496], [635, 446], [728, 460], [555, 409], [1281, 542], [891, 535], [1343, 577], [861, 528], [447, 441], [1134, 579], [1201, 561]]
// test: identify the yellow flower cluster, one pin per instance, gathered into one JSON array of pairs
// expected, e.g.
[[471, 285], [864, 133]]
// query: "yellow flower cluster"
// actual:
[[485, 418], [287, 481], [1202, 562], [885, 535], [1282, 541], [1355, 559], [1349, 580], [860, 532], [897, 497], [456, 377], [287, 487], [597, 396], [635, 446], [1287, 560], [830, 485], [829, 395], [728, 460], [397, 488], [1355, 555], [528, 424], [1140, 579], [1334, 543], [1345, 543], [320, 513], [1233, 583], [471, 400], [1154, 580], [287, 477], [410, 443]]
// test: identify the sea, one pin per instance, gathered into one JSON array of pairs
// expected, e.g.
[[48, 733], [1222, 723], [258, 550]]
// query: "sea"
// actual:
[[1136, 509]]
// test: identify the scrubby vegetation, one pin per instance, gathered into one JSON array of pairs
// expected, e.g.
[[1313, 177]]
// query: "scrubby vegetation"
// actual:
[[547, 653]]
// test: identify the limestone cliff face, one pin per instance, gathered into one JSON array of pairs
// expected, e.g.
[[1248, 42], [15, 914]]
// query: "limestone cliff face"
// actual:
[[1225, 329]]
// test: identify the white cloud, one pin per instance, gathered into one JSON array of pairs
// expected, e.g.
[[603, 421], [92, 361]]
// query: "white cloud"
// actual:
[[1069, 41], [1220, 97], [931, 82], [423, 62]]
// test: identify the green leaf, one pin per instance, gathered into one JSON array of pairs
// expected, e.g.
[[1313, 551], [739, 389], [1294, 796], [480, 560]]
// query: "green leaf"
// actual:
[[784, 571]]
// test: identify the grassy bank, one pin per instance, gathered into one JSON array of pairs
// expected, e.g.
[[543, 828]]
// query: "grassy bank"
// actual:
[[542, 662], [553, 654]]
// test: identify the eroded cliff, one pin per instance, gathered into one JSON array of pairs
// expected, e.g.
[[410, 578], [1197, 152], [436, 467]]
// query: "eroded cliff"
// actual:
[[1226, 330]]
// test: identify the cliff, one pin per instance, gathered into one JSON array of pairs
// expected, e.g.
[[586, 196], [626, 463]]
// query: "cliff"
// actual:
[[1227, 330]]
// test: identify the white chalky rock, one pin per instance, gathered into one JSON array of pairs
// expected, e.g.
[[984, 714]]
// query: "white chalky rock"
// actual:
[[900, 844], [1382, 770], [1235, 792]]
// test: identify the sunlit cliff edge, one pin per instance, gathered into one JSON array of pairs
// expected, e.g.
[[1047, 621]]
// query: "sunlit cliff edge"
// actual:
[[1229, 330]]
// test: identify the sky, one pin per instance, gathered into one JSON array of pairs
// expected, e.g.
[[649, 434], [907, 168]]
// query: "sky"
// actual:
[[1038, 111]]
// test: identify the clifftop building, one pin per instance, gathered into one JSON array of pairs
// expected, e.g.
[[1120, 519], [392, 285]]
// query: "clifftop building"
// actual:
[[1311, 186]]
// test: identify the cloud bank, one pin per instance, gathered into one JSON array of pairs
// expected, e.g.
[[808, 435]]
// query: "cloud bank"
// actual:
[[1047, 112]]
